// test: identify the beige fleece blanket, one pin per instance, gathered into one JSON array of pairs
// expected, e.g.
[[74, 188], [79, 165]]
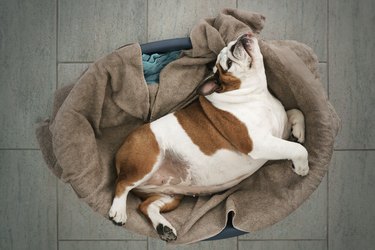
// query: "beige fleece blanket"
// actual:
[[92, 117]]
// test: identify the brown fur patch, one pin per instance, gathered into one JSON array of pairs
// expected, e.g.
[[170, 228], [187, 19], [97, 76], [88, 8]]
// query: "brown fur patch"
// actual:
[[232, 129], [132, 162], [172, 205], [212, 129], [165, 208], [227, 80], [200, 130], [144, 205]]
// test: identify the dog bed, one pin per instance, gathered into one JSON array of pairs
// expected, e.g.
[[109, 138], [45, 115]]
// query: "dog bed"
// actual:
[[91, 118]]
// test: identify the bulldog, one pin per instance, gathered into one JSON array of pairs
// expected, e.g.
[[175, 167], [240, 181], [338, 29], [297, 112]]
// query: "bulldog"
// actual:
[[234, 127]]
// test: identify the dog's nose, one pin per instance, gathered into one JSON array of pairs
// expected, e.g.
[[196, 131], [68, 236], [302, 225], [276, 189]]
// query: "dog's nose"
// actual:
[[246, 35], [246, 38]]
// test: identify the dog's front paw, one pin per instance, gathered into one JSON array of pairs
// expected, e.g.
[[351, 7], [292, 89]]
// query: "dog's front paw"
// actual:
[[301, 167], [117, 213], [300, 162], [297, 123], [298, 131], [166, 233]]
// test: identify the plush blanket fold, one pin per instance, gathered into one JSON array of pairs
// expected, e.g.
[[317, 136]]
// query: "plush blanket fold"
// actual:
[[91, 119]]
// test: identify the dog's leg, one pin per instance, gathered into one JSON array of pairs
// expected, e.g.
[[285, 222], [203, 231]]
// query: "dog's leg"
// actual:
[[137, 159], [296, 123], [153, 206], [272, 148]]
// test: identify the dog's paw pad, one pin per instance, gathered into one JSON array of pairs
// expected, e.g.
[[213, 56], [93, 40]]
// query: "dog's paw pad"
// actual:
[[166, 233], [117, 223]]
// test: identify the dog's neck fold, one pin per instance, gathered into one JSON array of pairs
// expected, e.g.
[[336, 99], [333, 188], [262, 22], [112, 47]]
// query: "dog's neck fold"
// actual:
[[238, 96]]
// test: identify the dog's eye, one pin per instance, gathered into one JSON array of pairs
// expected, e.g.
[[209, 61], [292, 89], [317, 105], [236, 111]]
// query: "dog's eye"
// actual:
[[229, 63]]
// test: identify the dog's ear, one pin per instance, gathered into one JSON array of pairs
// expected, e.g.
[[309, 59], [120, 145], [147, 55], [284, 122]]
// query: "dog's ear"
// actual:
[[211, 65], [208, 85]]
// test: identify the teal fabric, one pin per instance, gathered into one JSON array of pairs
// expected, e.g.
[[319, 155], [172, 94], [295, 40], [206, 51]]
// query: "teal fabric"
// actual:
[[153, 64]]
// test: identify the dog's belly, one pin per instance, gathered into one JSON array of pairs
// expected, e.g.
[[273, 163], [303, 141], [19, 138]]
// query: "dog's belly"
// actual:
[[224, 170], [185, 169]]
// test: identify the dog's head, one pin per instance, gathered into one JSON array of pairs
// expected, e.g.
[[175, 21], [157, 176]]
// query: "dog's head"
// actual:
[[234, 66]]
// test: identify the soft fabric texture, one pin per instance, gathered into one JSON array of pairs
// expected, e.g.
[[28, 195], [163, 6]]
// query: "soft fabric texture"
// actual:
[[91, 119], [154, 63]]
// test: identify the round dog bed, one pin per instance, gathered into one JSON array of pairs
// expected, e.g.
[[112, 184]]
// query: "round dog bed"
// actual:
[[92, 117]]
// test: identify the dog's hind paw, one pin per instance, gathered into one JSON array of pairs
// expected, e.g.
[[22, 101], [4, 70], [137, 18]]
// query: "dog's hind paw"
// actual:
[[166, 233]]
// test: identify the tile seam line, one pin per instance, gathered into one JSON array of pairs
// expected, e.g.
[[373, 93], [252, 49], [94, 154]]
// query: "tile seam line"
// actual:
[[74, 62], [328, 96], [327, 45], [57, 44], [56, 87], [21, 149]]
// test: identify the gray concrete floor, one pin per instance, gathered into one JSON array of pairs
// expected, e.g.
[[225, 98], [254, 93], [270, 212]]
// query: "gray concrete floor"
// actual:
[[47, 43]]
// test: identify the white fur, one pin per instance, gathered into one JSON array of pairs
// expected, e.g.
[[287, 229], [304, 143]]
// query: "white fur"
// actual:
[[209, 173], [117, 211], [118, 208], [297, 124], [153, 211]]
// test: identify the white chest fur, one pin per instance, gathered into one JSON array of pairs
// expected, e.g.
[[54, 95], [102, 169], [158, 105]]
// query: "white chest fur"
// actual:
[[261, 113]]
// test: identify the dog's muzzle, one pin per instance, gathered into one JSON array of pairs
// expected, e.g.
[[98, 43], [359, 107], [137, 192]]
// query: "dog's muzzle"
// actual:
[[245, 41]]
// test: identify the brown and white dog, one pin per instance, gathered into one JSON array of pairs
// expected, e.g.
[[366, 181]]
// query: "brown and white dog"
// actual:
[[213, 144]]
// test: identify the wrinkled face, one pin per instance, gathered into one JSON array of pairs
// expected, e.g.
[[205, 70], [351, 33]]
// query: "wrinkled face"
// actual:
[[236, 57], [233, 65]]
